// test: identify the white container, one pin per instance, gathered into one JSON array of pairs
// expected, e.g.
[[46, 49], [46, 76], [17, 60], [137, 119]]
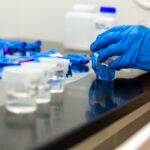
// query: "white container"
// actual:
[[79, 27], [105, 20]]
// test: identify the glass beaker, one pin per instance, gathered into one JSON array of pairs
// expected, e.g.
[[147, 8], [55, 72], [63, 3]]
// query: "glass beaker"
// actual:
[[21, 86], [61, 69], [44, 95]]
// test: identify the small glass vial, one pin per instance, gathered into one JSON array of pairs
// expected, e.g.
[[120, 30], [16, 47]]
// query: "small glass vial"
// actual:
[[103, 73]]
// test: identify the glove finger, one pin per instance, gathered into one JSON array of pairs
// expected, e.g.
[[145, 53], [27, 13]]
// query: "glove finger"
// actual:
[[115, 29], [119, 63], [114, 65], [107, 39], [118, 29], [111, 50]]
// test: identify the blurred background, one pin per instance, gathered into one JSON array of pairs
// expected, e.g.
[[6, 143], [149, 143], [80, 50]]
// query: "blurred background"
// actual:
[[44, 19]]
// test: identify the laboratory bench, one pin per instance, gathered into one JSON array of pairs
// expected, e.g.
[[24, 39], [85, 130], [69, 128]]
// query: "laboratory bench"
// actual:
[[89, 114]]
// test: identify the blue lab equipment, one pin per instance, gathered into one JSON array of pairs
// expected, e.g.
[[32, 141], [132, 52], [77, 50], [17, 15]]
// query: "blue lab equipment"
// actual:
[[11, 46], [79, 68], [77, 61], [108, 9], [130, 43]]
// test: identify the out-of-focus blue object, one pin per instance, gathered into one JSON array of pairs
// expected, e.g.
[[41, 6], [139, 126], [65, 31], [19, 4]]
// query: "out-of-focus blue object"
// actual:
[[100, 98], [108, 10], [11, 46], [75, 59], [47, 53], [130, 43], [106, 95], [1, 51], [79, 68]]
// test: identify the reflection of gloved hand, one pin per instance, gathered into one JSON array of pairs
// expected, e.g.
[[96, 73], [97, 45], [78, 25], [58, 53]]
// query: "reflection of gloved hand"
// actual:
[[100, 95], [130, 43], [104, 95]]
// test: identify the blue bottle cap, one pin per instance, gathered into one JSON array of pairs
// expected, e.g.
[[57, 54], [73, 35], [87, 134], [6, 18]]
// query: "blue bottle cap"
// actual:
[[108, 10]]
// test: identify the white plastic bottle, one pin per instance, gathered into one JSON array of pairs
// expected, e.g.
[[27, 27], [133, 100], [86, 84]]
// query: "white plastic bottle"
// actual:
[[79, 27], [105, 20]]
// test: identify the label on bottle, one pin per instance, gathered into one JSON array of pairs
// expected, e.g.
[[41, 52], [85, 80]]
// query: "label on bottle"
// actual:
[[100, 28]]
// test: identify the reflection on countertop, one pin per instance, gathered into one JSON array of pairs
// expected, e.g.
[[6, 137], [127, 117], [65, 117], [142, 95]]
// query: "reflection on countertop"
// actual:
[[106, 95]]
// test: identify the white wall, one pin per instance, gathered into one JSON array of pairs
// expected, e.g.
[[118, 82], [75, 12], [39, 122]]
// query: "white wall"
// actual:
[[44, 19]]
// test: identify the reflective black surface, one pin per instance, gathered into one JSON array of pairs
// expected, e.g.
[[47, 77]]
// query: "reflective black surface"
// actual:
[[82, 102], [106, 95]]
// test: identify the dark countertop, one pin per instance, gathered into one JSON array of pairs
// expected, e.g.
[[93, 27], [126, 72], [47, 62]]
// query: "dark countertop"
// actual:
[[85, 107]]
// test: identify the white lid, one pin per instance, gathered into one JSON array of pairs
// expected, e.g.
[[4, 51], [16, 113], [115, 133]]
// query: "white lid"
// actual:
[[85, 8]]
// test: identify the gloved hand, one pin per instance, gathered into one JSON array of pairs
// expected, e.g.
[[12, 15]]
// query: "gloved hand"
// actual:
[[130, 43]]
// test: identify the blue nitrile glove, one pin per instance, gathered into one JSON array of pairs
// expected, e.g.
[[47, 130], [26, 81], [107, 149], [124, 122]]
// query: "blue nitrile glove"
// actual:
[[19, 45], [32, 46], [79, 68], [130, 43], [77, 58], [77, 61], [1, 52]]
